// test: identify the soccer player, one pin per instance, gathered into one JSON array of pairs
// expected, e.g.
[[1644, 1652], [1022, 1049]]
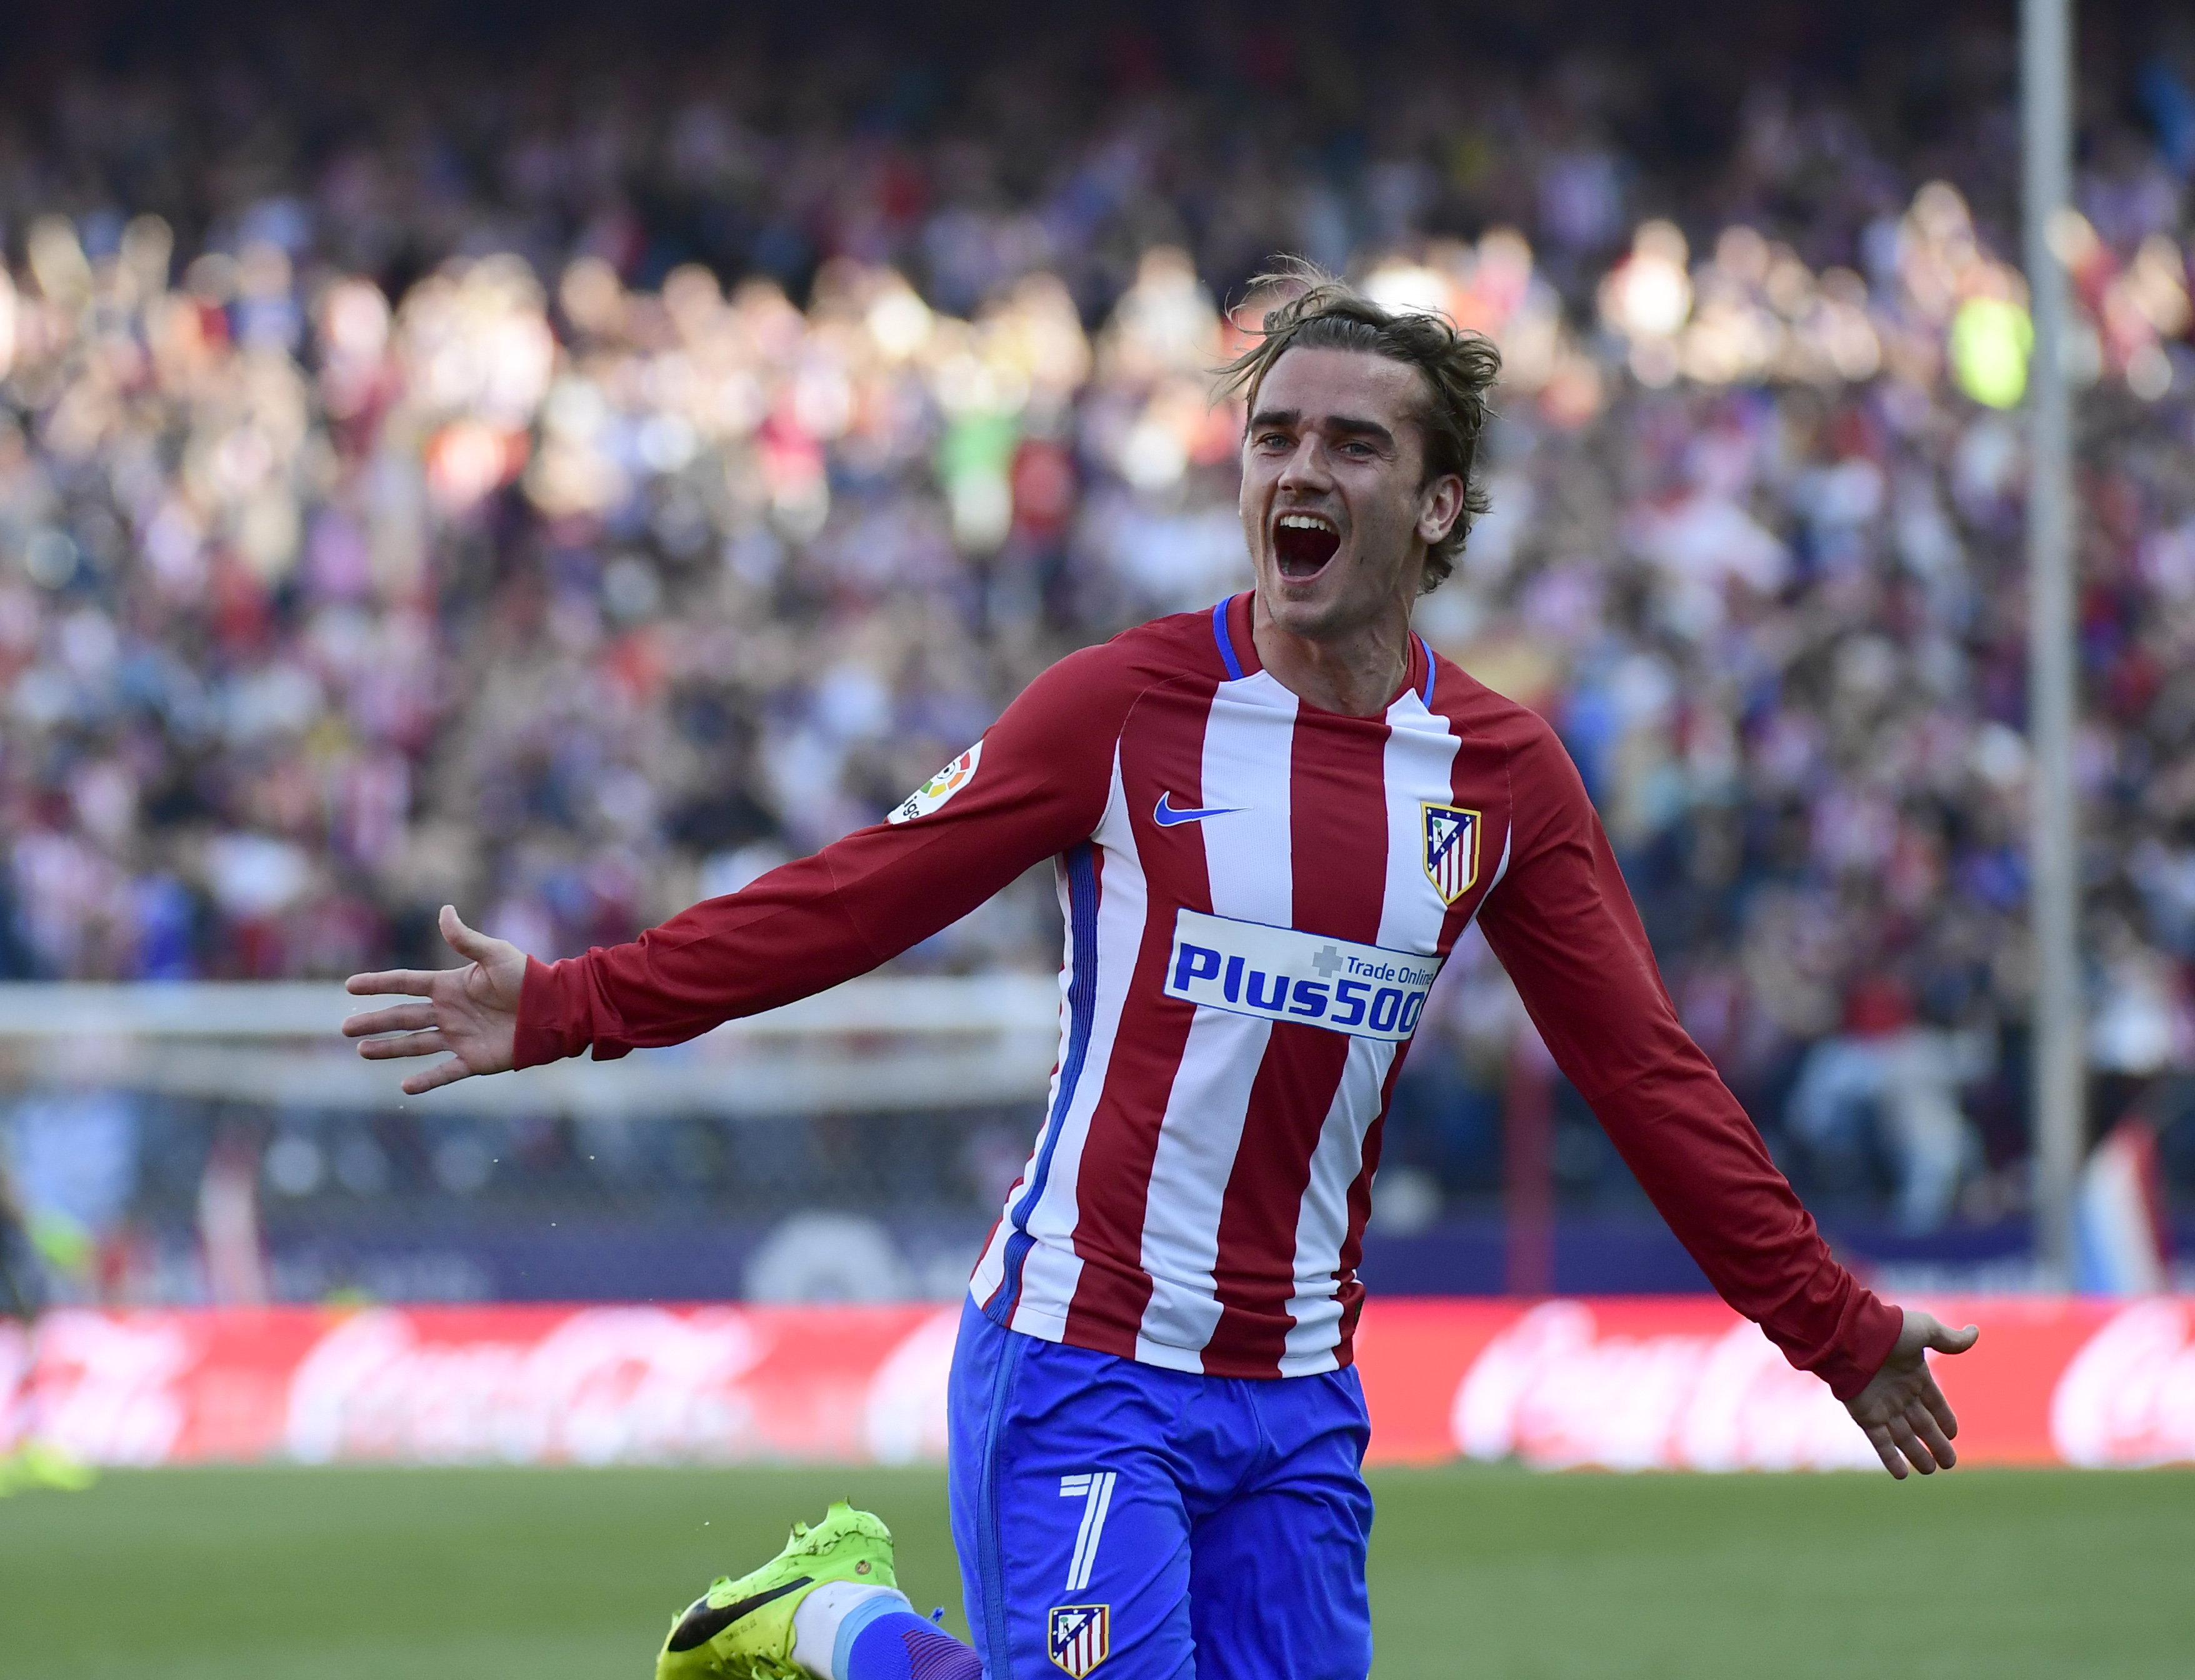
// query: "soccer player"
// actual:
[[1269, 822]]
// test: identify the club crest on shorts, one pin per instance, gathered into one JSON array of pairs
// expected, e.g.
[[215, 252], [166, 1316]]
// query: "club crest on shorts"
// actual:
[[1451, 850], [939, 788], [1080, 1637]]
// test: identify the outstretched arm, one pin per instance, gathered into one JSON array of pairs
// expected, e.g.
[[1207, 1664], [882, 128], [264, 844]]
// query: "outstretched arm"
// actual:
[[1036, 784], [1563, 923], [1902, 1411], [471, 1011]]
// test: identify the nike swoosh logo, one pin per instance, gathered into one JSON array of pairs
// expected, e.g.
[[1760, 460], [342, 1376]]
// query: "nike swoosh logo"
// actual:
[[1167, 817], [703, 1624]]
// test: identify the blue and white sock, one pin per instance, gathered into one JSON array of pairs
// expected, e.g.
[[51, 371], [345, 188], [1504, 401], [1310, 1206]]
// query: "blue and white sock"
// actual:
[[845, 1631]]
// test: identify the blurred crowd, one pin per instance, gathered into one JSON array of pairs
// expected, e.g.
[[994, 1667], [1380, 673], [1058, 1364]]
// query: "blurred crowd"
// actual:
[[572, 506]]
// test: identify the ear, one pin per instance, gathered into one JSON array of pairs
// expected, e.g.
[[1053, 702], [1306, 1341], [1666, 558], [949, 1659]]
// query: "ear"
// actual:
[[1439, 507]]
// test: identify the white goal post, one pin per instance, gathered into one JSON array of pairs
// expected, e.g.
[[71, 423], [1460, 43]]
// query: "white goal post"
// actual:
[[876, 1046]]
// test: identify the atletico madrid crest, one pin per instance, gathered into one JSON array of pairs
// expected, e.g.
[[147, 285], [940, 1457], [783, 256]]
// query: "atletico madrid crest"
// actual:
[[1451, 850], [1081, 1636]]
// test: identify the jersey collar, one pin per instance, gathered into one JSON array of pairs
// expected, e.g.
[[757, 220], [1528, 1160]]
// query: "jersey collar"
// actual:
[[1238, 650]]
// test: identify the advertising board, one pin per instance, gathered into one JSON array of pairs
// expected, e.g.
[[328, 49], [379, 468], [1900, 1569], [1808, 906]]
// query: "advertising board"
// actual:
[[1675, 1383]]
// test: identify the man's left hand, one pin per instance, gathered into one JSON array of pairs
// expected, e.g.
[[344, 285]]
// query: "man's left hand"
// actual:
[[1901, 1409]]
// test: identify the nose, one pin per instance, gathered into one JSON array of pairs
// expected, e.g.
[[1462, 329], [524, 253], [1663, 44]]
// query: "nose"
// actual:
[[1306, 468], [1306, 465]]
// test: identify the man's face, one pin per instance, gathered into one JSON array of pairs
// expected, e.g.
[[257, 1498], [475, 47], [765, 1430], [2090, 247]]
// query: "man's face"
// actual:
[[1334, 503]]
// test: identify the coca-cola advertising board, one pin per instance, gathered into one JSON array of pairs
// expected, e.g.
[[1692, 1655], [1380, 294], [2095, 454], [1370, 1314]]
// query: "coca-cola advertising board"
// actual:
[[1630, 1383]]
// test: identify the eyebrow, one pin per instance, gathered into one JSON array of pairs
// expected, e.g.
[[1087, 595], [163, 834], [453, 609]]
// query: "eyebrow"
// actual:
[[1349, 425]]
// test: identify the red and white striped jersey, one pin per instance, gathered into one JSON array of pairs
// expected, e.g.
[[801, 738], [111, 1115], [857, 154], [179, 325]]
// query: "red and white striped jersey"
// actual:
[[1258, 894]]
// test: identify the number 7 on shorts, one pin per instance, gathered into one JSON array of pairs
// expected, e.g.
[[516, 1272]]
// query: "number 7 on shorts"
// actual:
[[1095, 1490]]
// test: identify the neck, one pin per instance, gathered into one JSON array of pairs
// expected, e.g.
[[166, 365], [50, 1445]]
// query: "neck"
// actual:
[[1355, 672]]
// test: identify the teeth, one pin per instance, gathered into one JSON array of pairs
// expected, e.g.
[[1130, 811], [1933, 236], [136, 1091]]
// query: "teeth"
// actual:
[[1305, 522]]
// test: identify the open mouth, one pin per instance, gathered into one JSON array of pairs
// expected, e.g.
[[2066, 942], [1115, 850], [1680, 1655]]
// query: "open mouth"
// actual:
[[1302, 543]]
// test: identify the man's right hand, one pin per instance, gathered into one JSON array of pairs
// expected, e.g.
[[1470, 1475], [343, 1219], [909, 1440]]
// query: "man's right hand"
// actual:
[[471, 1011]]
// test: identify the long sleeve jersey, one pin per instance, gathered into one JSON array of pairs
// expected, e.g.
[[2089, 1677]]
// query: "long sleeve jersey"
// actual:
[[1257, 895]]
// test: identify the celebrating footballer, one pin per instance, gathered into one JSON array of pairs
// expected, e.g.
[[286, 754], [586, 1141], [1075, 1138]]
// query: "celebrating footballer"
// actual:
[[1269, 822]]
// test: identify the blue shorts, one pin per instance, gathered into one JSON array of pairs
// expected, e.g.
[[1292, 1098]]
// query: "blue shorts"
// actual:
[[1164, 1525]]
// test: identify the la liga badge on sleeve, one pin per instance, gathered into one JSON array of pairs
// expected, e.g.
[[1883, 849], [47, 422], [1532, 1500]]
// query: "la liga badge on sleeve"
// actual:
[[1081, 1636], [939, 788], [1451, 850]]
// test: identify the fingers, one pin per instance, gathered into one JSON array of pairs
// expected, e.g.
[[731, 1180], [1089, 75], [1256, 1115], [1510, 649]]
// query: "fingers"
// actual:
[[489, 984], [1933, 1436], [441, 1074], [402, 1044], [415, 982], [404, 1018], [468, 942], [1938, 1408], [1930, 1417], [1902, 1410], [1944, 1340], [1878, 1436], [1916, 1450]]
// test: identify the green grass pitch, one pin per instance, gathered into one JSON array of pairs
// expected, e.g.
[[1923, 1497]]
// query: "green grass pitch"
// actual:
[[480, 1574]]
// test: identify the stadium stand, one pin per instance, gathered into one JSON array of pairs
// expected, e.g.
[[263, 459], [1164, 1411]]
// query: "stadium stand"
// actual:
[[416, 487]]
